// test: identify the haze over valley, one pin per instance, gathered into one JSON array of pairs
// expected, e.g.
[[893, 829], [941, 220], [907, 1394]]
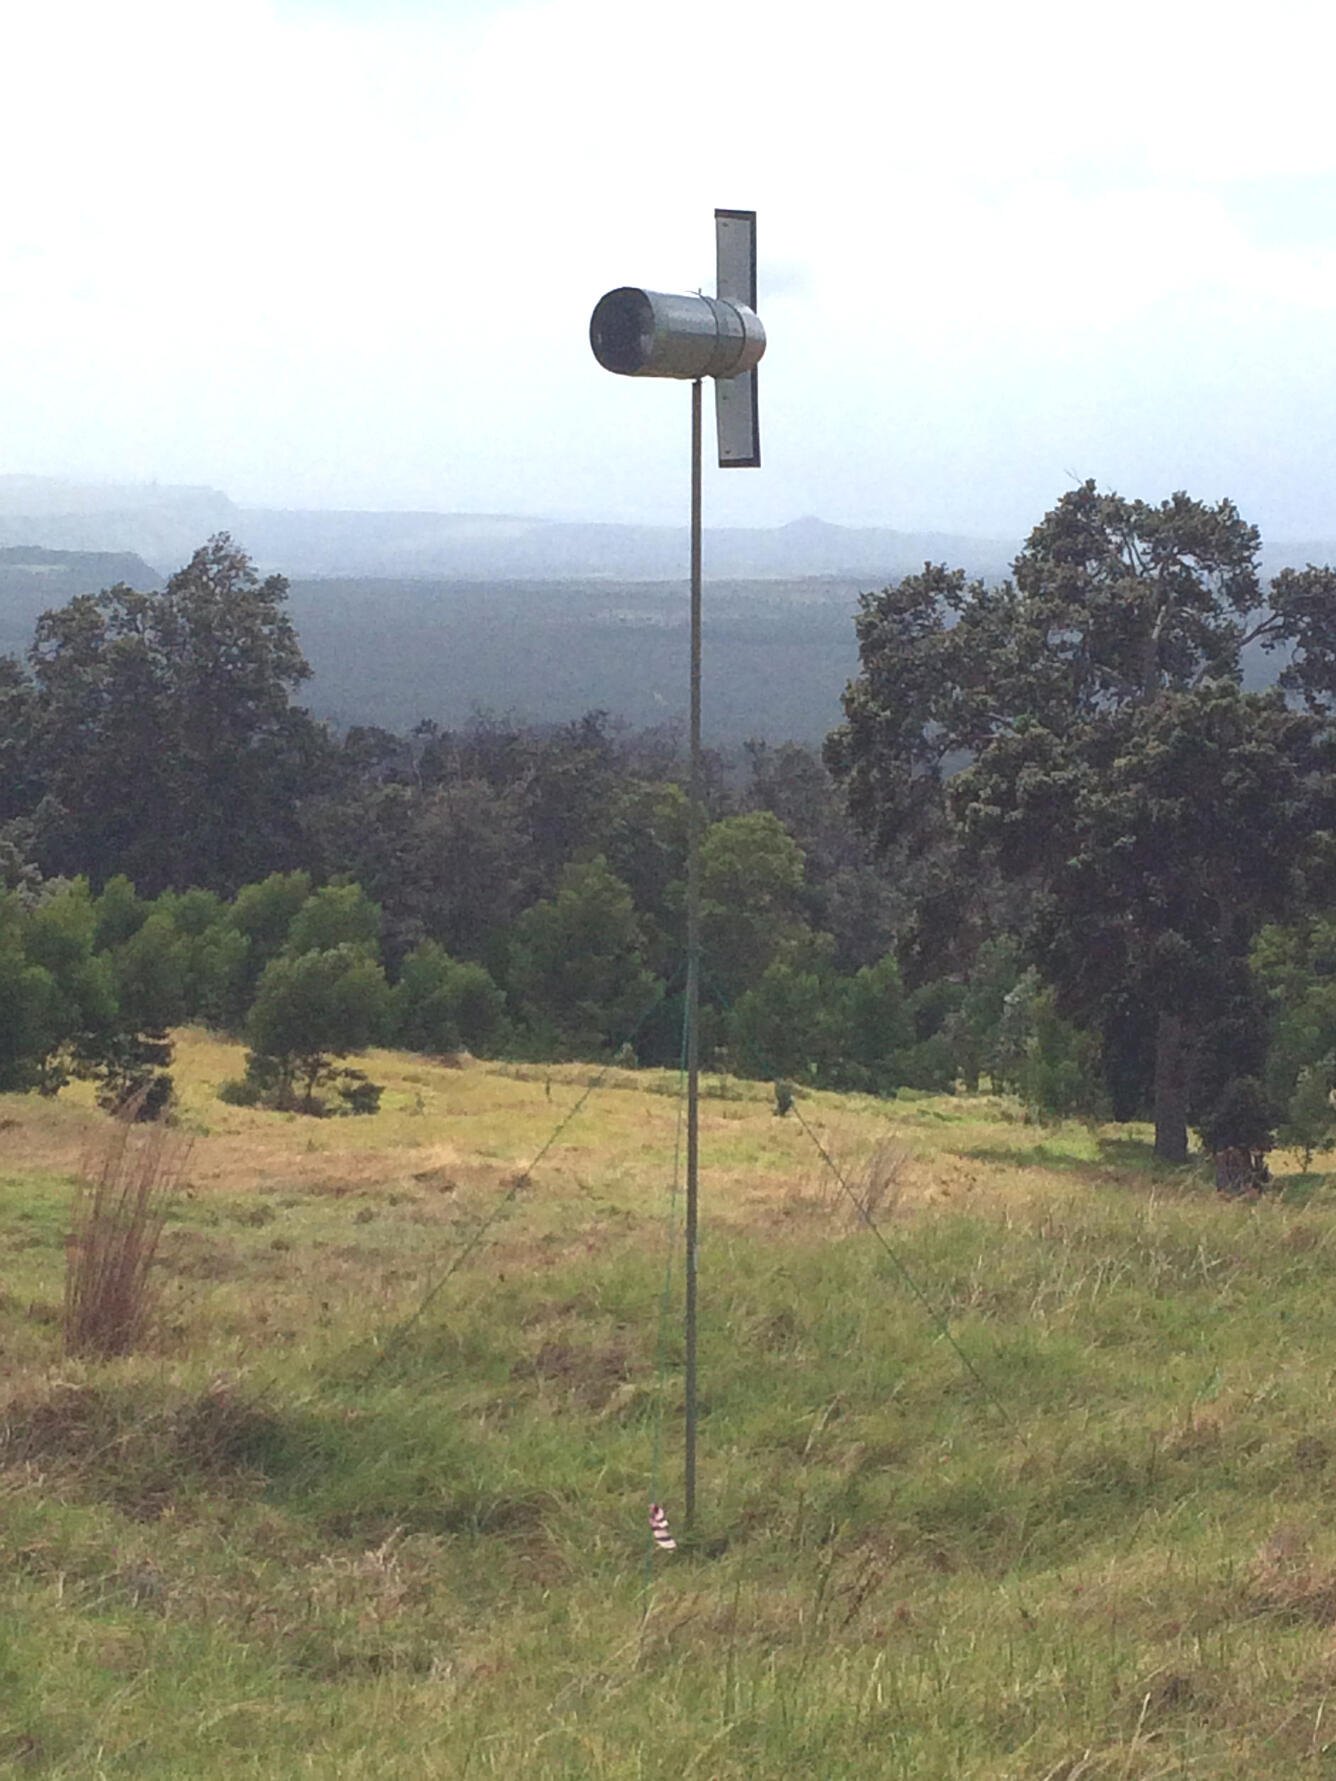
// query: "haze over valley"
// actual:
[[439, 615]]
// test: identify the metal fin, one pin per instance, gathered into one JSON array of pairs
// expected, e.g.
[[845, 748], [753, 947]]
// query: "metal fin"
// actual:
[[738, 422], [735, 256]]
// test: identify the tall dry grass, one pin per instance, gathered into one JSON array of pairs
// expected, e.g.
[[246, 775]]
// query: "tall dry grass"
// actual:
[[129, 1181]]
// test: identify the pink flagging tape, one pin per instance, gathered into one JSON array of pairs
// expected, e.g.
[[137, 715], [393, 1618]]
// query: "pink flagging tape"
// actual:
[[658, 1526]]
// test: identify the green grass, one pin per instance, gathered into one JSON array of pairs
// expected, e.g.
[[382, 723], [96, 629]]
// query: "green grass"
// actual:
[[306, 1533]]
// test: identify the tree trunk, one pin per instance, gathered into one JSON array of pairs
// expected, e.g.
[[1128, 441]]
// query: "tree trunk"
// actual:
[[1172, 1053]]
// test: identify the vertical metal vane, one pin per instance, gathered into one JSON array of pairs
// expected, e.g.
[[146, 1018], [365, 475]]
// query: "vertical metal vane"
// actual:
[[736, 411]]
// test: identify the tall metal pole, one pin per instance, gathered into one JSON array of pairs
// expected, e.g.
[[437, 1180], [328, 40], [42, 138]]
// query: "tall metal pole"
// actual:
[[693, 962]]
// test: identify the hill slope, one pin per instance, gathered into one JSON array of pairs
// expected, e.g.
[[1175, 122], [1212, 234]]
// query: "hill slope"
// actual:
[[374, 1502]]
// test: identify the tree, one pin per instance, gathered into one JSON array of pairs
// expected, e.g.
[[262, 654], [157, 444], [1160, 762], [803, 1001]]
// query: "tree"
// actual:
[[751, 873], [1309, 1122], [262, 914], [1082, 728], [216, 956], [645, 829], [878, 1030], [442, 1005], [309, 1010], [30, 1015], [335, 915], [844, 894], [576, 968], [166, 731], [21, 784], [789, 1025], [975, 1028], [77, 1012]]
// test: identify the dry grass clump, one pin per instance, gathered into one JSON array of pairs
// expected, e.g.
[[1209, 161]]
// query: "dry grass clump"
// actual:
[[129, 1182], [879, 1186], [1285, 1581]]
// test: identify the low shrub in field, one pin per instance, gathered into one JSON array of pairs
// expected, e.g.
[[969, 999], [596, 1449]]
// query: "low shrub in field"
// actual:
[[263, 1086]]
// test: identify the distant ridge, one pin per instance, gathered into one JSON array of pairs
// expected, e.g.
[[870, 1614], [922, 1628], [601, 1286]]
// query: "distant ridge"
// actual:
[[165, 523], [512, 548], [406, 616], [34, 579]]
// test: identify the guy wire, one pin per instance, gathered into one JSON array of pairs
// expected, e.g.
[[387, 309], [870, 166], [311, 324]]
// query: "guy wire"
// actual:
[[521, 1181], [938, 1318]]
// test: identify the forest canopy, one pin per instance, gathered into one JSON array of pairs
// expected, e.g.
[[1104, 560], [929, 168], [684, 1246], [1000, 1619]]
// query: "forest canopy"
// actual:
[[1109, 763], [1055, 846]]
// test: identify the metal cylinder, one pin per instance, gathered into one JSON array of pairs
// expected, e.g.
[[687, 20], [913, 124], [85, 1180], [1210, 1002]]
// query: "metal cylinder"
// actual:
[[662, 334]]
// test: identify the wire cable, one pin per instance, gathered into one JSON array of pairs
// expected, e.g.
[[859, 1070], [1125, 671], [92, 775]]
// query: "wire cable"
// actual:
[[395, 1339]]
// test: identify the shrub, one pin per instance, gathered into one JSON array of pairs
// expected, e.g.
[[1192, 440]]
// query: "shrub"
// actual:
[[576, 967], [440, 1004], [1060, 1077], [118, 1216], [1310, 1118], [308, 1011], [788, 1025]]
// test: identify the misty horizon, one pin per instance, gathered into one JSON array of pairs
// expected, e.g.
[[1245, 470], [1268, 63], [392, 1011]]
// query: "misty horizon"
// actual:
[[999, 254]]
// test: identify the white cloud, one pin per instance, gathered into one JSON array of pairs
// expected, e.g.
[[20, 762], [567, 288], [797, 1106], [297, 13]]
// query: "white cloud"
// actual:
[[326, 253]]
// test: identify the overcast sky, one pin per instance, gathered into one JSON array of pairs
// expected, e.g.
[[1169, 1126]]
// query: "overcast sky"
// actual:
[[343, 252]]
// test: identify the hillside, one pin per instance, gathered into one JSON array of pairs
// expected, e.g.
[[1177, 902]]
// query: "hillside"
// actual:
[[32, 580], [406, 616], [161, 523], [391, 652], [514, 548], [777, 655], [373, 1502]]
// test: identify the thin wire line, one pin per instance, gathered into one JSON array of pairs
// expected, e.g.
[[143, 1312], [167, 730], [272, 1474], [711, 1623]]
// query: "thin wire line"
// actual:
[[461, 1255], [937, 1317]]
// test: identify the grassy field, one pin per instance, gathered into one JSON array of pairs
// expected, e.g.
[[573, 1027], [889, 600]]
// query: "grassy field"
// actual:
[[350, 1515]]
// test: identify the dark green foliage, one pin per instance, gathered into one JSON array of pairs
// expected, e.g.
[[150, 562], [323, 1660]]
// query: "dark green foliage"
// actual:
[[751, 872], [1295, 970], [355, 1094], [576, 968], [21, 781], [878, 1029], [336, 915], [788, 1025], [213, 954], [72, 1011], [83, 1017], [1060, 1076], [977, 1027], [150, 971], [1241, 1117], [843, 895], [30, 1006], [446, 862], [262, 915], [645, 829], [1309, 1121], [309, 1010], [119, 913], [1108, 760], [441, 1005], [265, 912], [165, 729], [131, 1070], [929, 1065]]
